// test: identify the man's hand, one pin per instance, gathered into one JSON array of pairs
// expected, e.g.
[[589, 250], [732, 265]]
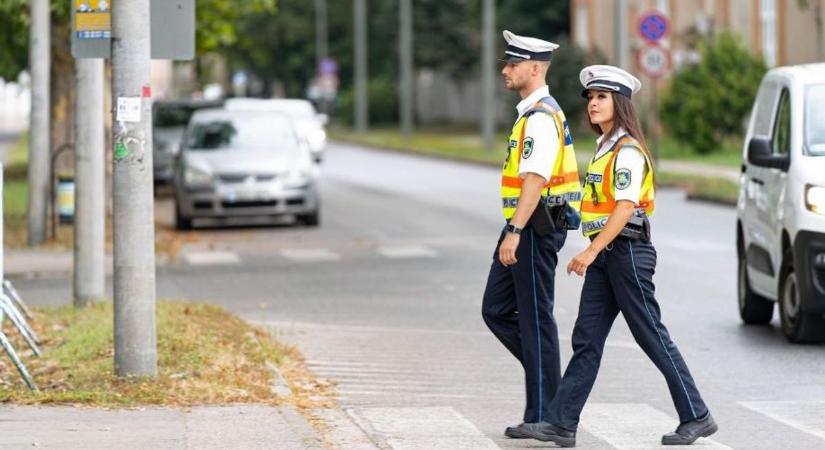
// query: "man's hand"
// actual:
[[582, 261], [507, 249]]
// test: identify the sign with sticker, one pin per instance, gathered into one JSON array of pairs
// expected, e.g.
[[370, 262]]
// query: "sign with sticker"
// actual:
[[128, 109], [528, 148], [93, 19], [622, 178]]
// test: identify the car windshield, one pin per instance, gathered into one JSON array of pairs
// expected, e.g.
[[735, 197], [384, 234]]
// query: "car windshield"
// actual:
[[249, 132], [815, 120], [172, 116]]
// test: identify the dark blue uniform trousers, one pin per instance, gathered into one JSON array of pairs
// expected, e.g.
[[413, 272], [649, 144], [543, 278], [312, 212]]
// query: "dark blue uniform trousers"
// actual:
[[621, 280], [518, 309]]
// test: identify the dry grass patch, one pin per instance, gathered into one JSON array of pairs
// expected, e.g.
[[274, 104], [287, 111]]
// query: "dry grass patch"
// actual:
[[205, 356]]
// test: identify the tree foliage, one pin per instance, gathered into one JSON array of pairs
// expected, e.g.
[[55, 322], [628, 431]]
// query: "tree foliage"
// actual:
[[709, 101]]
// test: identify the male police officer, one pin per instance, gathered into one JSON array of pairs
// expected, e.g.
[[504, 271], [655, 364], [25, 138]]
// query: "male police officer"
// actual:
[[539, 176]]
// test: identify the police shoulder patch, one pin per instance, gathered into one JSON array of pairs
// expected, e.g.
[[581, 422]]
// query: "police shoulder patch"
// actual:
[[527, 147], [622, 179]]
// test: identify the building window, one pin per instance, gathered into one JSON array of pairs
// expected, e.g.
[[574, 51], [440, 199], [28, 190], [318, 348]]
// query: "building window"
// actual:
[[767, 15]]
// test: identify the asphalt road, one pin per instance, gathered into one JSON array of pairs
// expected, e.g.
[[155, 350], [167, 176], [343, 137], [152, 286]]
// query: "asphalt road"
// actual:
[[384, 298]]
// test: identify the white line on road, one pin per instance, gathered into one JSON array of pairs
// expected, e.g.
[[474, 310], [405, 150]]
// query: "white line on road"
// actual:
[[633, 426], [310, 254], [211, 258], [420, 428], [808, 417], [405, 252]]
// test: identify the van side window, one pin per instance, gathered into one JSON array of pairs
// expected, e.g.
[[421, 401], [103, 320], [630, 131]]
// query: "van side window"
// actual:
[[765, 107], [782, 130]]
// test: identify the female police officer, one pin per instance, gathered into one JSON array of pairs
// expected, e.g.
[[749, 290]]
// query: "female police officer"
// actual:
[[619, 265]]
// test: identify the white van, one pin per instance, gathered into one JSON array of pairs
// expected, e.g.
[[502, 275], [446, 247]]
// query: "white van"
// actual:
[[780, 230]]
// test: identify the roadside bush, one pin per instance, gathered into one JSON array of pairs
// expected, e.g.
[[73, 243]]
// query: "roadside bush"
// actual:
[[708, 102], [563, 79], [383, 102]]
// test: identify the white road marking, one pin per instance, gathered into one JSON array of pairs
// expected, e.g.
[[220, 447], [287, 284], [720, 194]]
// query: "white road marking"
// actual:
[[805, 416], [405, 252], [341, 431], [420, 428], [633, 426], [310, 254], [211, 258]]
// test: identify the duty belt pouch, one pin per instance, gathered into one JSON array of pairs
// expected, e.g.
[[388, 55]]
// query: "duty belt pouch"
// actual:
[[637, 228], [542, 220]]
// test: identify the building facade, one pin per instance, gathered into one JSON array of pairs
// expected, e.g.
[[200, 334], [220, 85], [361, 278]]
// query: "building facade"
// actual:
[[784, 32]]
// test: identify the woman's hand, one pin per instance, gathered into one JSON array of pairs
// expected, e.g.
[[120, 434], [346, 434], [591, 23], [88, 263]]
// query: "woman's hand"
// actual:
[[582, 261]]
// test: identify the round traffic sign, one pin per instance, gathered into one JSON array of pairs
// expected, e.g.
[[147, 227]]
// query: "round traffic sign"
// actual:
[[653, 26], [653, 60]]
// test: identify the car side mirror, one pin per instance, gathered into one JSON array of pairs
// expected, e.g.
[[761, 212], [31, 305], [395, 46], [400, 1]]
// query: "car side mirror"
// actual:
[[760, 154], [324, 119]]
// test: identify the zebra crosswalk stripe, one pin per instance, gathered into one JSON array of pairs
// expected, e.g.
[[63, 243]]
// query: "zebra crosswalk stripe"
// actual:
[[633, 426], [805, 416], [439, 428]]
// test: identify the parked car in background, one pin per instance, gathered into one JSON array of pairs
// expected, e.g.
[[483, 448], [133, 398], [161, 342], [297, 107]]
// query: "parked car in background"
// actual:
[[169, 119], [781, 211], [309, 123], [244, 164]]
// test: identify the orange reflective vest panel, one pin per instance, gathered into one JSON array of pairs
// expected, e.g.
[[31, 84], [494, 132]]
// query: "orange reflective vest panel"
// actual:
[[600, 190], [564, 181]]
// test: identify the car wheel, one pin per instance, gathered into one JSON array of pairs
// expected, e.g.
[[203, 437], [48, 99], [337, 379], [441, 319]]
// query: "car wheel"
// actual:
[[753, 308], [181, 222], [797, 325], [312, 219]]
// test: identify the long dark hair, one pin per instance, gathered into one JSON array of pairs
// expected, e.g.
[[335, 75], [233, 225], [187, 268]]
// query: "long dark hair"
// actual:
[[624, 116]]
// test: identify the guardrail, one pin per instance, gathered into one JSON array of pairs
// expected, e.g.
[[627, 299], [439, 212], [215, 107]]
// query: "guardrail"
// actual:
[[11, 306]]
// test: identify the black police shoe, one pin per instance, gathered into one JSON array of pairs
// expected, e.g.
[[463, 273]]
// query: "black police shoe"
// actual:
[[520, 431], [688, 432], [542, 431]]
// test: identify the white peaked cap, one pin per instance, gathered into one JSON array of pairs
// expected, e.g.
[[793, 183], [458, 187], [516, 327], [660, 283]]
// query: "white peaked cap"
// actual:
[[522, 48], [609, 78]]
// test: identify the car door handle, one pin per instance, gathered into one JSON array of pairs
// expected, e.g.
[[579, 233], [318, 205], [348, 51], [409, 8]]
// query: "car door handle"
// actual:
[[758, 181]]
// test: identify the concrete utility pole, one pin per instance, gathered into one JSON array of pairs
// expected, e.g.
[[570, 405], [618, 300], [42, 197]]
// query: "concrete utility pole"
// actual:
[[620, 29], [405, 51], [133, 203], [361, 96], [90, 184], [488, 86], [321, 40], [39, 152]]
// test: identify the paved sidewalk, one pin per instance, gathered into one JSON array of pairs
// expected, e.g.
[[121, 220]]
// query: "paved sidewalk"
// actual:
[[246, 427]]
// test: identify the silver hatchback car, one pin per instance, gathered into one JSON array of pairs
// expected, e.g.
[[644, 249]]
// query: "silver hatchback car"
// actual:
[[244, 164]]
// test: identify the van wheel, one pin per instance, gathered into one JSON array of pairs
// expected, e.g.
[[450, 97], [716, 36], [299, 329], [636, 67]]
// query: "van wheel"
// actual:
[[797, 325], [753, 308]]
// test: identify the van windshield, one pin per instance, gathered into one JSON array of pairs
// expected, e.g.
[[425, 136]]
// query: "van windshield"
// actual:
[[814, 123]]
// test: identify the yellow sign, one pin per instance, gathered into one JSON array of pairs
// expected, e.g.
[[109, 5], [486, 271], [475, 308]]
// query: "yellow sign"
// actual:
[[93, 19]]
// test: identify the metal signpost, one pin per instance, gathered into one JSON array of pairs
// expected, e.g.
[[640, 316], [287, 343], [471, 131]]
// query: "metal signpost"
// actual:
[[653, 59]]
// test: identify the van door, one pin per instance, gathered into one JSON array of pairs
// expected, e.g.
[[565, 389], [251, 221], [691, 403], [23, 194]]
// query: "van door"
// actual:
[[759, 209]]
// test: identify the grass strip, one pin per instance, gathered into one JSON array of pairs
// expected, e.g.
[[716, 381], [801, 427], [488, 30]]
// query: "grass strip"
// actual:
[[205, 356], [468, 147]]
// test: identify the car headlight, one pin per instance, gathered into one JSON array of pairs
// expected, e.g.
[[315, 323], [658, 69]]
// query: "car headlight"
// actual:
[[196, 177], [296, 178], [317, 137], [815, 199]]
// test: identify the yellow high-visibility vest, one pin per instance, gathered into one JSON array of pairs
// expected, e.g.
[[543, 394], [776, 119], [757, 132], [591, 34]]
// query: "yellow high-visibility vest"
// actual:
[[600, 190], [564, 181]]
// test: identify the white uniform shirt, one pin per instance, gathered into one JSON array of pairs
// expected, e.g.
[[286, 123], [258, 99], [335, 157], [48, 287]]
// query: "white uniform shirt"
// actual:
[[540, 154], [630, 162]]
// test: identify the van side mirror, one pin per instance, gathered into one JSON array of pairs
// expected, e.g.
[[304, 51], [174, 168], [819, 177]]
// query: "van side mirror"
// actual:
[[323, 118], [760, 154]]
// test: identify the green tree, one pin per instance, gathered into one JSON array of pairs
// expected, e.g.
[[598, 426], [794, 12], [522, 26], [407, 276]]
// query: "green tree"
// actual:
[[709, 101]]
